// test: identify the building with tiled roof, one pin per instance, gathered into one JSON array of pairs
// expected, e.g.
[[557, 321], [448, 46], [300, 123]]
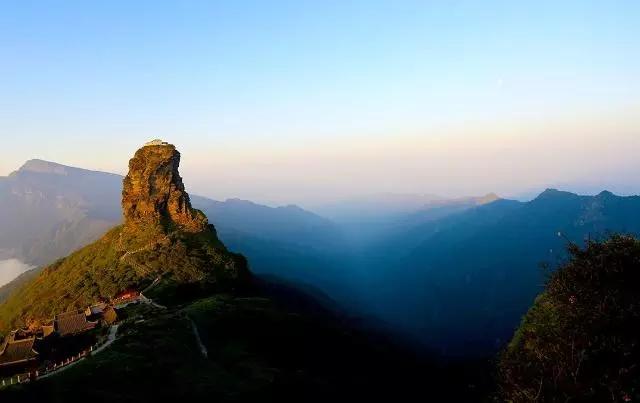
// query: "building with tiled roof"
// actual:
[[70, 323], [18, 352], [156, 142]]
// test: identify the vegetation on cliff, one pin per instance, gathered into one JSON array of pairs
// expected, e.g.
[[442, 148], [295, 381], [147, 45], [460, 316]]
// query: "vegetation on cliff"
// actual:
[[579, 342]]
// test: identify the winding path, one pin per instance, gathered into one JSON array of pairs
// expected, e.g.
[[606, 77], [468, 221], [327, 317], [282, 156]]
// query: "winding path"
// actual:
[[113, 331], [203, 348], [153, 284], [149, 301]]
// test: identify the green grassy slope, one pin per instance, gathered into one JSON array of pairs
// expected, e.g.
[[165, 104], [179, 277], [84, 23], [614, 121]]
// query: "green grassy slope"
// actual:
[[119, 261], [257, 352]]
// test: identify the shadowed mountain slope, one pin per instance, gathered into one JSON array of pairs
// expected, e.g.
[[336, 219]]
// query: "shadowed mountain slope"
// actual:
[[468, 278], [48, 210]]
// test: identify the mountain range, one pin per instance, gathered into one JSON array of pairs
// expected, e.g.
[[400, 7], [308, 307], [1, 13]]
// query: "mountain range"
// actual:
[[48, 210], [469, 277], [454, 274]]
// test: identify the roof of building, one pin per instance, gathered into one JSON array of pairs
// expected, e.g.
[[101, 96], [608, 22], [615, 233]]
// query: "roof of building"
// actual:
[[72, 322], [18, 351], [156, 142]]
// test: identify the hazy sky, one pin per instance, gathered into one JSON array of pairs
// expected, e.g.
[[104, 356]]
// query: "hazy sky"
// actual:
[[10, 269], [308, 101]]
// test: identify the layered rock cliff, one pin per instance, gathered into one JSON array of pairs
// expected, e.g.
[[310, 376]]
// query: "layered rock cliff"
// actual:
[[153, 191]]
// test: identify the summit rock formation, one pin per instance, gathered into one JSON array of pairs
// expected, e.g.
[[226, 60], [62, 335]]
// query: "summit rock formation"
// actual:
[[153, 190]]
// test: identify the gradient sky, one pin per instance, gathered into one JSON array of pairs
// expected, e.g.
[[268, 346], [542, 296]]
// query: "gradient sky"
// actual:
[[308, 102]]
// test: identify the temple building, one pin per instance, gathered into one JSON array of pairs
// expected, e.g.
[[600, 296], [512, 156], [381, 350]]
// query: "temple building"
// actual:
[[156, 142], [18, 351], [70, 323]]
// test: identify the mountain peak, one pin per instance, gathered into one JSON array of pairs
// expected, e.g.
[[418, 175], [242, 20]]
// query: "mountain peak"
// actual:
[[42, 166], [488, 198], [153, 191], [605, 194], [553, 193]]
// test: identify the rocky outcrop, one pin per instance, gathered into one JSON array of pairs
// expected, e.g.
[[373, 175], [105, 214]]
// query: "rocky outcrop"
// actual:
[[153, 191]]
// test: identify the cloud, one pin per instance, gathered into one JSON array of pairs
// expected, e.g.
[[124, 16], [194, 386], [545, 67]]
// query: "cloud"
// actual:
[[10, 269]]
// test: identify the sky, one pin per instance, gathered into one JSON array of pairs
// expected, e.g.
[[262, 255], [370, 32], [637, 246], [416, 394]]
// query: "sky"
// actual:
[[315, 101]]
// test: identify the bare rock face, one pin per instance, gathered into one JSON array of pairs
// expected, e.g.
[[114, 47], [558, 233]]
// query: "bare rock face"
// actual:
[[153, 192]]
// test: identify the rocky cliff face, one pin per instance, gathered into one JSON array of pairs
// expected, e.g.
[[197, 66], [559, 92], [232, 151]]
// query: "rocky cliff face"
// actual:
[[153, 191]]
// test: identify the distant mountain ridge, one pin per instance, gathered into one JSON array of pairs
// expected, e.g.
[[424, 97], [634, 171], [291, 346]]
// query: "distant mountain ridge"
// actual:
[[49, 209], [391, 206], [290, 224], [469, 277]]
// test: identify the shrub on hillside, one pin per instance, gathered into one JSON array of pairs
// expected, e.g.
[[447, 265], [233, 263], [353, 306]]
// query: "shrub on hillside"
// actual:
[[580, 340]]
